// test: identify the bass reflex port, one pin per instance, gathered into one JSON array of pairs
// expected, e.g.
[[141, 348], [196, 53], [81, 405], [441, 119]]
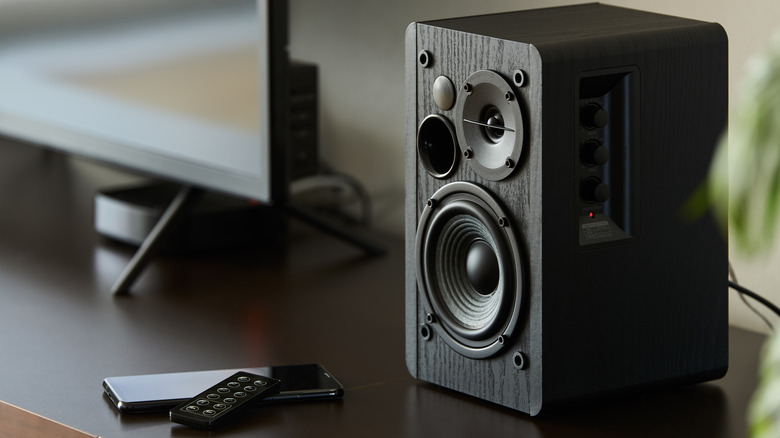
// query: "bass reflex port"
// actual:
[[437, 146]]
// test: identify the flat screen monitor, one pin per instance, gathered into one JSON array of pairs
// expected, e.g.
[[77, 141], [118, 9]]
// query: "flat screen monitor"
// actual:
[[190, 91]]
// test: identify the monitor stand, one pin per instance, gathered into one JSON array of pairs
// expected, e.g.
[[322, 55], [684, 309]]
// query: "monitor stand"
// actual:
[[127, 215], [181, 204]]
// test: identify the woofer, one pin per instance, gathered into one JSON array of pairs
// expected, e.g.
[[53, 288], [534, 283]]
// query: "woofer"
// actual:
[[469, 269]]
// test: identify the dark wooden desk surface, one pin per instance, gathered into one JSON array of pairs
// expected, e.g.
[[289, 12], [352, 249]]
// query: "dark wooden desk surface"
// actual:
[[61, 331]]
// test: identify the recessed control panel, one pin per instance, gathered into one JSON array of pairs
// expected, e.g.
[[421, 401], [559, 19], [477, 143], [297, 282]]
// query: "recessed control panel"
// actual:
[[607, 156]]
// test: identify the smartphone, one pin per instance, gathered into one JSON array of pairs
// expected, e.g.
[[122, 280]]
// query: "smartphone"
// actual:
[[161, 392]]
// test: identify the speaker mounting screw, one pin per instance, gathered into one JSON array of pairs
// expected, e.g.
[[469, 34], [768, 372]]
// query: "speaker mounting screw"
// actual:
[[519, 360], [467, 88], [509, 163], [430, 203], [503, 222], [519, 78], [424, 58], [509, 96], [430, 318], [468, 153]]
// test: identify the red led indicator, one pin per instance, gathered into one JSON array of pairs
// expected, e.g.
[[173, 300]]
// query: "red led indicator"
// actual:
[[591, 215]]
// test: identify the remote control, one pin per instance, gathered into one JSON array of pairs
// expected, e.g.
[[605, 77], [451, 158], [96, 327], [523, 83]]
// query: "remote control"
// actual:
[[224, 400]]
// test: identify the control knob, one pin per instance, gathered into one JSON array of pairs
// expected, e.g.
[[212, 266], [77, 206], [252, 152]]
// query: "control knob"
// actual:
[[593, 116], [593, 153], [594, 190]]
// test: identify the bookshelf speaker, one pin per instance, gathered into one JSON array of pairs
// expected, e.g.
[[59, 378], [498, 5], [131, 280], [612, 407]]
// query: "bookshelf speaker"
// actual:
[[549, 155]]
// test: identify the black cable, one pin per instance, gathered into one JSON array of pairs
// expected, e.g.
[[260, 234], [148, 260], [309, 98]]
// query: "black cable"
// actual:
[[748, 304], [336, 181], [743, 290]]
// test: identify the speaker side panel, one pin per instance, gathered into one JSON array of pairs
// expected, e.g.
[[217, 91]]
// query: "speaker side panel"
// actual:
[[457, 55], [653, 310]]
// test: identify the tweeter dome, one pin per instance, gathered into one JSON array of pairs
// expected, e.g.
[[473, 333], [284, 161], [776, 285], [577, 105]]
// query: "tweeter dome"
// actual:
[[549, 155]]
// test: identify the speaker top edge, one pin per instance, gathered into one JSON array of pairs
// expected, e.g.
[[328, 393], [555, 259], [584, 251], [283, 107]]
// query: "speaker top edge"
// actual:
[[583, 22]]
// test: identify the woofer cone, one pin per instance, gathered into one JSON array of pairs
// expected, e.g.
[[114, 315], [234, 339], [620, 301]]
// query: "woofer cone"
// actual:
[[469, 269]]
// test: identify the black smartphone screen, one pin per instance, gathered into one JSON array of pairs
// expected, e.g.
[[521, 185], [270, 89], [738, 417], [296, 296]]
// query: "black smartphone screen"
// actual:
[[159, 392]]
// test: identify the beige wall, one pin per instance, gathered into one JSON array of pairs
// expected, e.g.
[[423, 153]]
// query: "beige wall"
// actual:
[[359, 48]]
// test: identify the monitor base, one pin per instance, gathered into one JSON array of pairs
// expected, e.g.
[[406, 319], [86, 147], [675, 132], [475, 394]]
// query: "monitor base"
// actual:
[[169, 217], [214, 221]]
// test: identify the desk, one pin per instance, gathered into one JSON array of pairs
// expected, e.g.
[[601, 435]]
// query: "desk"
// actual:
[[318, 300]]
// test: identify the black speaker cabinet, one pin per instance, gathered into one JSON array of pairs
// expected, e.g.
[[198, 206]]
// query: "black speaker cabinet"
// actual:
[[550, 154]]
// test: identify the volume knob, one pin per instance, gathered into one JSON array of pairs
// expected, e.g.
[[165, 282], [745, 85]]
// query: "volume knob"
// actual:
[[594, 190], [593, 116], [593, 153]]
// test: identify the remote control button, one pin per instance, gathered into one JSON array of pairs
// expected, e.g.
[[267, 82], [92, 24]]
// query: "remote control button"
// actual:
[[233, 384], [229, 400], [209, 412], [202, 402], [219, 406], [223, 390], [250, 389], [244, 379], [192, 408], [240, 394], [212, 396], [260, 383]]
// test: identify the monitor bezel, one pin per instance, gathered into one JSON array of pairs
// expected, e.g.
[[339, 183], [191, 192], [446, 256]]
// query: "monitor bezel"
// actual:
[[25, 118]]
